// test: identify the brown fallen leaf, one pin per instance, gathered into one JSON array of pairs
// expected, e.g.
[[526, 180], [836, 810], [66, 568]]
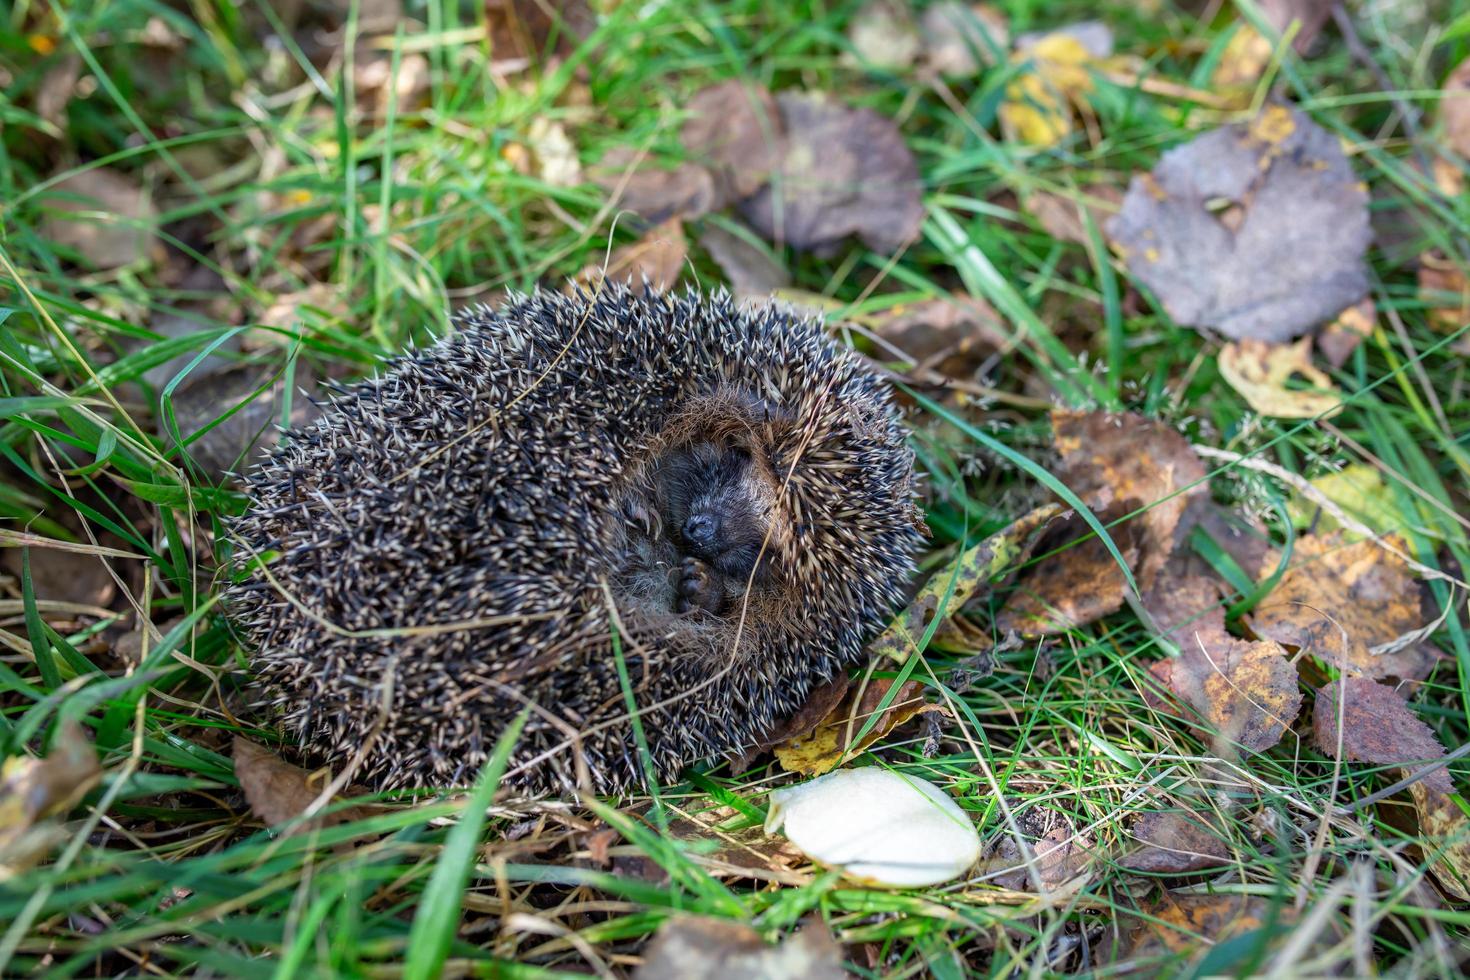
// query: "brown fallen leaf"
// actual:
[[718, 949], [825, 747], [1061, 855], [1181, 924], [1256, 230], [657, 258], [748, 268], [735, 130], [68, 577], [1445, 291], [102, 215], [522, 31], [821, 702], [951, 335], [960, 580], [1185, 598], [1261, 371], [279, 792], [1309, 16], [1246, 693], [377, 88], [1359, 720], [1175, 843], [959, 39], [1080, 584], [1338, 601], [224, 449], [1351, 327], [1061, 216], [55, 90], [33, 790], [1377, 726], [656, 195], [1454, 109], [1120, 463], [841, 172]]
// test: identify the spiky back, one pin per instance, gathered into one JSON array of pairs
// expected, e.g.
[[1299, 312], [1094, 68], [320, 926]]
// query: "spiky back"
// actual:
[[429, 555]]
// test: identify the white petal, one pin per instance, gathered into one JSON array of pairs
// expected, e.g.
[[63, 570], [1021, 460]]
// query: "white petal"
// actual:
[[879, 826]]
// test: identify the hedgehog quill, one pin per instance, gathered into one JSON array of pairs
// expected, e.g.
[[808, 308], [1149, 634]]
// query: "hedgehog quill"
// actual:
[[726, 488]]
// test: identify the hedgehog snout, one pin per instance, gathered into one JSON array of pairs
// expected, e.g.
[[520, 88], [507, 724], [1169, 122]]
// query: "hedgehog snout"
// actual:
[[700, 530]]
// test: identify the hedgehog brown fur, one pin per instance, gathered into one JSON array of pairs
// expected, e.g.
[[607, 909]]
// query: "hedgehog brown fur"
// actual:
[[463, 535]]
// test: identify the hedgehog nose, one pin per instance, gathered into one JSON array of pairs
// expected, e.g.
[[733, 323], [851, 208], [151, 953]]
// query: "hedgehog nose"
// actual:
[[700, 529]]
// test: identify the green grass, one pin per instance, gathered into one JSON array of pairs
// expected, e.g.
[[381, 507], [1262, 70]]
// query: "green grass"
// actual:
[[264, 175]]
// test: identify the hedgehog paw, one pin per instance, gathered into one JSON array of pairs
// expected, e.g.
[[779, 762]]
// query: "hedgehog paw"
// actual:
[[697, 587]]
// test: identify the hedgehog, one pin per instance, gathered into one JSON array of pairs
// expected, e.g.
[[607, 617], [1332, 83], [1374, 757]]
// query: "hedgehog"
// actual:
[[572, 500]]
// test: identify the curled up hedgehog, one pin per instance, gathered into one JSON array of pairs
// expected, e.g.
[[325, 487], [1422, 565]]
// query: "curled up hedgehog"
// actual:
[[722, 496]]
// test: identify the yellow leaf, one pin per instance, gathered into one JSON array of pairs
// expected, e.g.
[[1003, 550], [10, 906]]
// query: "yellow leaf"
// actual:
[[1260, 372], [824, 748], [1244, 59], [1037, 108], [1358, 489]]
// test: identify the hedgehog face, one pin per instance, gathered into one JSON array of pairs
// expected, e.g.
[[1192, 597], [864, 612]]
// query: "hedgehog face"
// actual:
[[716, 505]]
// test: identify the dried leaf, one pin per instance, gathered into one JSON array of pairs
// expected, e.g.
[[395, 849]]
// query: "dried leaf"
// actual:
[[32, 790], [1360, 491], [1445, 291], [960, 39], [1061, 216], [1260, 371], [1102, 463], [1185, 599], [1454, 109], [842, 172], [1039, 100], [658, 257], [65, 576], [279, 792], [1245, 692], [1341, 337], [1243, 61], [222, 450], [951, 335], [1176, 843], [1338, 601], [1079, 585], [1310, 16], [823, 700], [1377, 726], [823, 748], [1256, 230], [54, 92], [970, 571], [750, 270], [718, 949], [883, 35], [1120, 463], [735, 129], [102, 215], [1061, 855], [687, 191], [1180, 924]]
